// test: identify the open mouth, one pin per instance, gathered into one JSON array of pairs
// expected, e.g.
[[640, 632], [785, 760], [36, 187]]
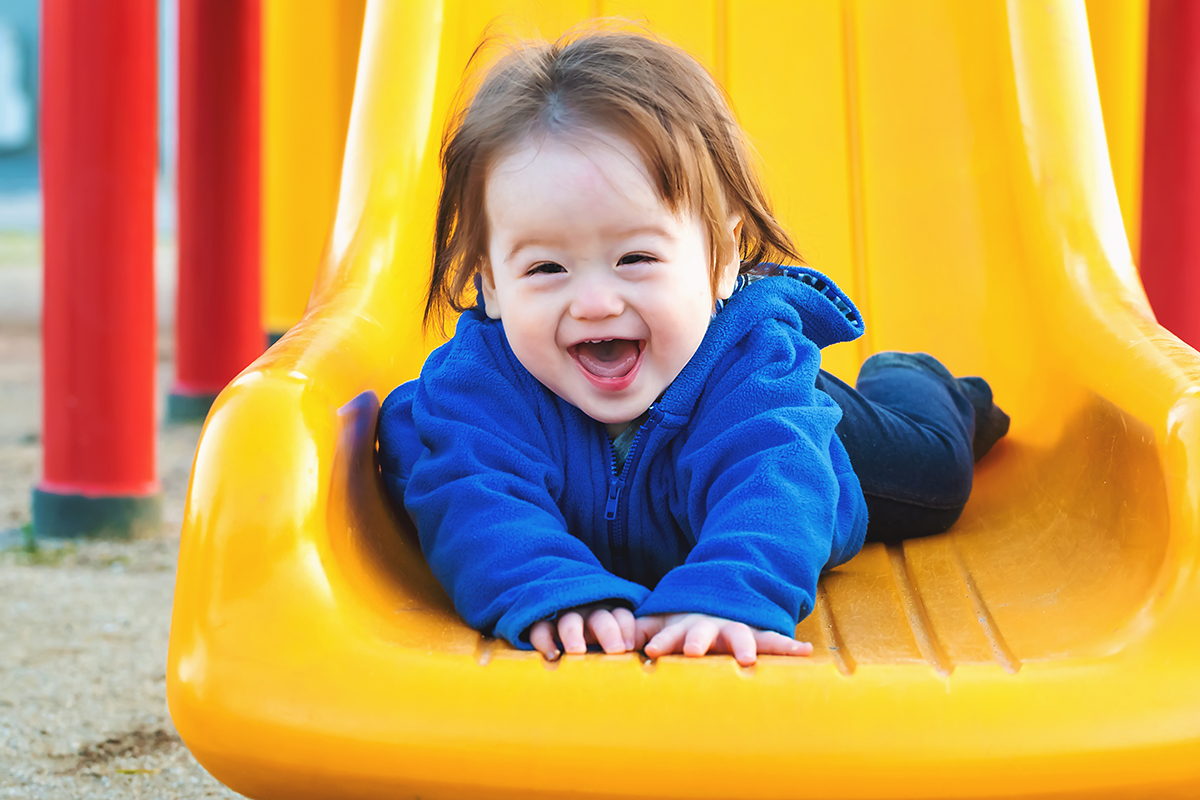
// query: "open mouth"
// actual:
[[608, 363]]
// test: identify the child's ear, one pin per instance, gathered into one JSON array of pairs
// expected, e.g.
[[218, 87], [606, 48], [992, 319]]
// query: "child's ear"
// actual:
[[729, 271], [491, 303]]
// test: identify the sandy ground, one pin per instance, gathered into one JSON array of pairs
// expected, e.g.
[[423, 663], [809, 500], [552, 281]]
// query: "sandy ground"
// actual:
[[83, 633]]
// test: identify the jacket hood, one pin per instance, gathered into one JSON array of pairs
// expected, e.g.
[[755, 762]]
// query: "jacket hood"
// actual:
[[828, 315], [799, 298]]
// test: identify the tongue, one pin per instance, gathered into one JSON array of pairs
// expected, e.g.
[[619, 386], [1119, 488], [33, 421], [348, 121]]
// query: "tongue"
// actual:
[[611, 359]]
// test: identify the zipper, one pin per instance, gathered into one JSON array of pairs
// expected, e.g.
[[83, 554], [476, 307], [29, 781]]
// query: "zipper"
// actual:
[[612, 508], [614, 489], [614, 496]]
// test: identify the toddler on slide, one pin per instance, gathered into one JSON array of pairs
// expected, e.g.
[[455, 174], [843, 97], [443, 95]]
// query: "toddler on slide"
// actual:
[[629, 441]]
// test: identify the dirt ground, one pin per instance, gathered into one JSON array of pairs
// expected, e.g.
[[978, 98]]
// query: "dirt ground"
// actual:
[[83, 628]]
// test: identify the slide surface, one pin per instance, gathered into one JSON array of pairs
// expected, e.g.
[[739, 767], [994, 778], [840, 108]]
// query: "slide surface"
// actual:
[[945, 163]]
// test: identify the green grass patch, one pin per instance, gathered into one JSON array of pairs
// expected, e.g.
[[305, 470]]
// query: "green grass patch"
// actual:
[[30, 553]]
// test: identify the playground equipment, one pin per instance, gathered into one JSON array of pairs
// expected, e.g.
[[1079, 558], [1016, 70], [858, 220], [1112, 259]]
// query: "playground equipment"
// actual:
[[1118, 33], [1147, 58], [945, 162], [100, 476], [218, 326], [98, 163], [310, 55], [1170, 257]]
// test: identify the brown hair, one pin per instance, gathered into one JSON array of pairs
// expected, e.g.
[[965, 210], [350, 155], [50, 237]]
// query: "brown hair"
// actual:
[[651, 93]]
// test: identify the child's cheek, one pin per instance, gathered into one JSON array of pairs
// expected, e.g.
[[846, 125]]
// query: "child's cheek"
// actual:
[[534, 345]]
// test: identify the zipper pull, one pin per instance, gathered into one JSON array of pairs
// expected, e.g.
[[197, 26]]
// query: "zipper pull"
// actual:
[[614, 494]]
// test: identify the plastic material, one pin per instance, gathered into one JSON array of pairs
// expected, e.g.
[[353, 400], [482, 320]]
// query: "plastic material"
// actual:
[[945, 162], [310, 54], [1118, 34], [1170, 258]]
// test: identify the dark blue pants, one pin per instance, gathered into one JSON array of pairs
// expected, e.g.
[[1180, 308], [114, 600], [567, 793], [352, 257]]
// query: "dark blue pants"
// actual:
[[909, 427]]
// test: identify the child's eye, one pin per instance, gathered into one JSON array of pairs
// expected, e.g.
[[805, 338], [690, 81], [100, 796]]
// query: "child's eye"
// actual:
[[545, 268], [635, 258]]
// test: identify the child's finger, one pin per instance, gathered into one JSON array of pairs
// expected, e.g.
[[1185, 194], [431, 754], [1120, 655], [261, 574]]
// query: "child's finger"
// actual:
[[666, 641], [770, 642], [645, 629], [604, 627], [700, 636], [541, 636], [570, 633], [739, 640], [627, 624]]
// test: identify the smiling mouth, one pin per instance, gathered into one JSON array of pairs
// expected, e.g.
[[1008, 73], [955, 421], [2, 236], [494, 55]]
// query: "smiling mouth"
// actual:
[[607, 359]]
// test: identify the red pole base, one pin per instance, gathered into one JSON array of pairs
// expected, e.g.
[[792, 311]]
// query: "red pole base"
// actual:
[[188, 406], [69, 514]]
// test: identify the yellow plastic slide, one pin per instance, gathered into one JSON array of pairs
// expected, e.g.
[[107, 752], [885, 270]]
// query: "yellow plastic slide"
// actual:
[[945, 162], [1118, 31], [308, 67]]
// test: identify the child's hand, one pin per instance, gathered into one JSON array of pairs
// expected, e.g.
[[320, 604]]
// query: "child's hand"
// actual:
[[610, 627], [697, 634]]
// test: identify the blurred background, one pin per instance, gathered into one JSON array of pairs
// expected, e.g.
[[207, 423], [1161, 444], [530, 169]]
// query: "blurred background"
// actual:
[[20, 197], [83, 633]]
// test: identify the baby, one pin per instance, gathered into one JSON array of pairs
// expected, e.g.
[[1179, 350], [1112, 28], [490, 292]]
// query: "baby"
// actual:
[[629, 441]]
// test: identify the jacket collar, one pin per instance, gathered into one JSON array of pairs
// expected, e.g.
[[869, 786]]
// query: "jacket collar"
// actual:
[[827, 311], [806, 301]]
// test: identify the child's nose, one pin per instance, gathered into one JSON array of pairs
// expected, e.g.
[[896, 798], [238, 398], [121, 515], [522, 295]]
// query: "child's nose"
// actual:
[[597, 299]]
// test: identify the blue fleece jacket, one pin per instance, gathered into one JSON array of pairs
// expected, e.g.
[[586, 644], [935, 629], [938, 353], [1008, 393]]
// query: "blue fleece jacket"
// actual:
[[736, 492]]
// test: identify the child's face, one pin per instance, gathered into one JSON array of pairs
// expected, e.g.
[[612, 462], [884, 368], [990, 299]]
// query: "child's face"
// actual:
[[604, 292]]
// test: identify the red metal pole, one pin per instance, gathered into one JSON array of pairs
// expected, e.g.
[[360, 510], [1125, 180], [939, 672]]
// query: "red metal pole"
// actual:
[[1170, 257], [98, 150], [218, 323]]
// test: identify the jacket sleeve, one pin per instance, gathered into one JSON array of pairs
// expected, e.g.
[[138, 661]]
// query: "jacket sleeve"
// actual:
[[481, 490], [766, 487]]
